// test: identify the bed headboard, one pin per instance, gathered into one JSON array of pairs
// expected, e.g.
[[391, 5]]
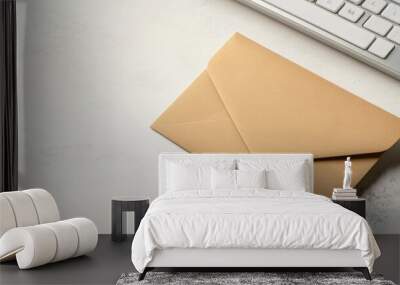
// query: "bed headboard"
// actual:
[[166, 157]]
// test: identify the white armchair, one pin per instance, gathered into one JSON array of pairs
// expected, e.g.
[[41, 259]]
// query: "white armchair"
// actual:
[[31, 230]]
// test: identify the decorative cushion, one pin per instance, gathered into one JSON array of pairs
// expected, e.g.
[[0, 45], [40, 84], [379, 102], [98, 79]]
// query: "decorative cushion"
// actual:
[[237, 179]]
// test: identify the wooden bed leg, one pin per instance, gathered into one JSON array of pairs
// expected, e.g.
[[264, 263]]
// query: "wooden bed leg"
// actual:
[[364, 271], [143, 274]]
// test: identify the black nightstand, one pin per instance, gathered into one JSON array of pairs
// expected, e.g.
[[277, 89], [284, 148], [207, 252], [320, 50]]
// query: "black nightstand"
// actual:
[[126, 204], [355, 205]]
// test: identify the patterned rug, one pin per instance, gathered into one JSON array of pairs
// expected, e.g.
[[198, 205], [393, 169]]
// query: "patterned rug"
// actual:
[[244, 278]]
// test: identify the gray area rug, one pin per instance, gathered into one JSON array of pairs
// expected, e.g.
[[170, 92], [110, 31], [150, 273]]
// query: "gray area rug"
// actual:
[[269, 278]]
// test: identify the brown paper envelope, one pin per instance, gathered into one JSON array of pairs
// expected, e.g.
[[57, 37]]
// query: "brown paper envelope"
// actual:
[[198, 121], [277, 106], [252, 100]]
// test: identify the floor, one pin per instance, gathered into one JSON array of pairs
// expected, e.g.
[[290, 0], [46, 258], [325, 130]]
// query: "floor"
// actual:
[[110, 260]]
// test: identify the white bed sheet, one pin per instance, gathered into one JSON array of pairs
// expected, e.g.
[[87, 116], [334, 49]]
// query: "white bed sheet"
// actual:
[[250, 218]]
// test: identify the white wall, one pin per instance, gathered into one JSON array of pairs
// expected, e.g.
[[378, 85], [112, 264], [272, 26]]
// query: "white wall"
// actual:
[[94, 74]]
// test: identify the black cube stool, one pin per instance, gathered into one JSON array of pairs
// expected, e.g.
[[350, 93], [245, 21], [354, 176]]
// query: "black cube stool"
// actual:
[[126, 204]]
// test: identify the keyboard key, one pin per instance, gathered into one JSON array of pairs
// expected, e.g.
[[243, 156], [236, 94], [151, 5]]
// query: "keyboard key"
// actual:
[[378, 25], [381, 48], [375, 6], [392, 12], [331, 5], [394, 35], [358, 2], [327, 21], [351, 12]]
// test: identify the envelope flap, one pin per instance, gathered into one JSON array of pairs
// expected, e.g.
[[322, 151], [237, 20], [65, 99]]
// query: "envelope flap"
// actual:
[[278, 106], [198, 122], [195, 104]]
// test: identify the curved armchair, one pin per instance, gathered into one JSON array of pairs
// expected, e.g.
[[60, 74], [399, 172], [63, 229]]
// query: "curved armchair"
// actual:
[[31, 231]]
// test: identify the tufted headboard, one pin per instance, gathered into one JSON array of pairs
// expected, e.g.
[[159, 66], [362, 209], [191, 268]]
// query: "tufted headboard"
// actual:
[[164, 158]]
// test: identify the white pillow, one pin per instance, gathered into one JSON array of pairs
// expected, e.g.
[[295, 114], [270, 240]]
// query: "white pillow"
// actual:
[[292, 179], [189, 174], [281, 174], [237, 179], [251, 178], [223, 179]]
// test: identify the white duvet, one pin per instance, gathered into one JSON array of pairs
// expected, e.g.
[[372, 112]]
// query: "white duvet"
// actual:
[[250, 218]]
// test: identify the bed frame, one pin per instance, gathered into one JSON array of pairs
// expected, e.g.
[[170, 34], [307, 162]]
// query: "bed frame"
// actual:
[[245, 258]]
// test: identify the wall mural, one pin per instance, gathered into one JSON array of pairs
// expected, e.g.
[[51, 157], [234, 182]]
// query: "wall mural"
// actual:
[[250, 99], [382, 192]]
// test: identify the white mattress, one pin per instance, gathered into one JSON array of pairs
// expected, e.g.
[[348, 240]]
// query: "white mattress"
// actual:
[[250, 219]]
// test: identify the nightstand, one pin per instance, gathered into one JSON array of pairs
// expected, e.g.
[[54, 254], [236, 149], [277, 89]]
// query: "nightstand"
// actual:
[[126, 204], [356, 205]]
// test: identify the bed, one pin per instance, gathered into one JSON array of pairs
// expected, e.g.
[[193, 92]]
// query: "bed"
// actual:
[[247, 210]]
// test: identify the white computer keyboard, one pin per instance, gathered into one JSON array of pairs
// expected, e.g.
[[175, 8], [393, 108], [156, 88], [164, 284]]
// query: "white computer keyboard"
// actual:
[[369, 30]]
